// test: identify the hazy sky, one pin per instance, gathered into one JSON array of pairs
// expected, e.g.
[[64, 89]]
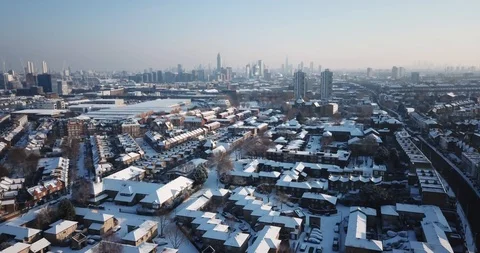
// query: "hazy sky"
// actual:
[[134, 35]]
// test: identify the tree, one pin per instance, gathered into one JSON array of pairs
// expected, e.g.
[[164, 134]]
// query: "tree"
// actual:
[[163, 222], [381, 156], [175, 236], [394, 157], [300, 118], [81, 191], [200, 175], [45, 217], [223, 163], [108, 246], [375, 196], [4, 171], [66, 210]]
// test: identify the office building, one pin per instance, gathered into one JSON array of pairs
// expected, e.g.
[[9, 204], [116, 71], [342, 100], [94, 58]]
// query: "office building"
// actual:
[[154, 77], [369, 72], [299, 85], [260, 64], [219, 62], [159, 76], [45, 81], [44, 67], [311, 67], [30, 80], [415, 77], [395, 72], [301, 66], [247, 71], [62, 87], [228, 73], [201, 75], [286, 65], [179, 68], [401, 72], [319, 69], [326, 84], [145, 78]]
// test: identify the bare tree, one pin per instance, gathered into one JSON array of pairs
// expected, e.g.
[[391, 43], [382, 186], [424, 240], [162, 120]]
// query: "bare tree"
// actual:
[[223, 163], [175, 236], [163, 222], [81, 191], [45, 217], [108, 246]]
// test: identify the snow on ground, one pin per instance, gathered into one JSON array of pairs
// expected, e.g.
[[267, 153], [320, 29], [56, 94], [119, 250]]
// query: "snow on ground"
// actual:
[[82, 171], [149, 151], [466, 227], [69, 250], [314, 144]]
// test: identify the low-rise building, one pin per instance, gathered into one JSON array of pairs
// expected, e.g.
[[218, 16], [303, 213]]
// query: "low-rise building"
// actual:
[[60, 231]]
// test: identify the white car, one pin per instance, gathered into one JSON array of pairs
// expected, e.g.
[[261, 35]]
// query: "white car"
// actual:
[[313, 240]]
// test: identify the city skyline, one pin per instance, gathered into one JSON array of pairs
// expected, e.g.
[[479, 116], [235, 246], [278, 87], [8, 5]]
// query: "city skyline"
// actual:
[[137, 35]]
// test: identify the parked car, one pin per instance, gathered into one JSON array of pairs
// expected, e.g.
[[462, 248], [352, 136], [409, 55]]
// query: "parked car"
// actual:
[[303, 247], [335, 229], [319, 249]]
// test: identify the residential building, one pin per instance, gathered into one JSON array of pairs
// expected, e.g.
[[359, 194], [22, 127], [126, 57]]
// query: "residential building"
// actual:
[[326, 84], [140, 233], [60, 231], [299, 85]]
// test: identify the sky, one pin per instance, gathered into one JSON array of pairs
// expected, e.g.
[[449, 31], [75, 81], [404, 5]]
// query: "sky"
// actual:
[[136, 35]]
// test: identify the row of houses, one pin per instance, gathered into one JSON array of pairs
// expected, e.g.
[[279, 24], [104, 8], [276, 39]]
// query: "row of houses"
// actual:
[[124, 190], [219, 236]]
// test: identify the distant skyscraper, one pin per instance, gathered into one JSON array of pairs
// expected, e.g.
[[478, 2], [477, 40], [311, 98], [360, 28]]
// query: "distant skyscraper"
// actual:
[[401, 72], [247, 71], [286, 65], [299, 85], [45, 81], [219, 62], [260, 64], [320, 69], [326, 84], [395, 72], [311, 67], [154, 77], [369, 72], [62, 87], [159, 76], [44, 67], [145, 78], [179, 68], [415, 77], [301, 66]]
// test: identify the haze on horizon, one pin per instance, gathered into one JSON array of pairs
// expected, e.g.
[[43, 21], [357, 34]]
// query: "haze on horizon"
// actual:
[[135, 35]]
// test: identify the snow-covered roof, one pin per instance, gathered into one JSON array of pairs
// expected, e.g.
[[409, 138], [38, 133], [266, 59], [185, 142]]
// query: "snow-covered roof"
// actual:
[[20, 233], [96, 216], [168, 191], [320, 196], [127, 174], [39, 245], [17, 247], [388, 210], [141, 231], [267, 239], [237, 240], [357, 233], [60, 226]]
